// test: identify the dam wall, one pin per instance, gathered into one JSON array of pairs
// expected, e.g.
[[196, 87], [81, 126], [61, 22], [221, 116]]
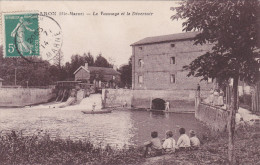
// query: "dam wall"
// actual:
[[18, 97]]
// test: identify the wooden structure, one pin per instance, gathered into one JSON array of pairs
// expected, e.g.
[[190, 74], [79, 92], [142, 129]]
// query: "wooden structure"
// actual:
[[65, 89], [67, 84]]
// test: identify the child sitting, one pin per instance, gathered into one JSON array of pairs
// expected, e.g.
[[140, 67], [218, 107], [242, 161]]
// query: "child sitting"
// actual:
[[169, 143], [194, 141], [183, 142], [154, 146]]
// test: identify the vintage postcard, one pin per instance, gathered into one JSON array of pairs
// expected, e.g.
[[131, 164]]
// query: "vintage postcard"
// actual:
[[129, 82]]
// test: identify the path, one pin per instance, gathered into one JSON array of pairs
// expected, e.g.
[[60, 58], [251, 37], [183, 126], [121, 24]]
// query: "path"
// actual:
[[247, 116]]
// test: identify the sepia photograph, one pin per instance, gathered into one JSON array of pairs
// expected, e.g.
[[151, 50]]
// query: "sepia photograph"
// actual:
[[160, 82]]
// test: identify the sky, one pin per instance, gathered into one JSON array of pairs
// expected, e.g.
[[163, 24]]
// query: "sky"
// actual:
[[107, 34]]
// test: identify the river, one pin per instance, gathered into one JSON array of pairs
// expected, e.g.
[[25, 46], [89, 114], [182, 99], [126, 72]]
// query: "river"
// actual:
[[119, 128]]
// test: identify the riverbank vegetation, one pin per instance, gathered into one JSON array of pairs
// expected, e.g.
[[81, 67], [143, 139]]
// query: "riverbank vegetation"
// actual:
[[41, 149]]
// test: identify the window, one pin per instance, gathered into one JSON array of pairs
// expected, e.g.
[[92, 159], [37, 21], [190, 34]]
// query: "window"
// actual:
[[113, 77], [140, 48], [140, 79], [172, 79], [140, 63], [172, 45], [172, 60]]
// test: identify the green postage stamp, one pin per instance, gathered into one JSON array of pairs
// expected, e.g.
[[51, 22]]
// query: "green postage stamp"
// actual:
[[20, 34]]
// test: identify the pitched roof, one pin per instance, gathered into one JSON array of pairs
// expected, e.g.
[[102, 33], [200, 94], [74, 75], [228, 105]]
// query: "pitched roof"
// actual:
[[166, 38], [106, 71], [81, 67]]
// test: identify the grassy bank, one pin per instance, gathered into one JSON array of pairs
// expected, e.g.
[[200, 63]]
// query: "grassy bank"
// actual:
[[41, 149], [214, 150]]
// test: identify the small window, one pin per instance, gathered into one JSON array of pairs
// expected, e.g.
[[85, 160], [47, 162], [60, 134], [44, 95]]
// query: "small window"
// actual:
[[140, 48], [113, 77], [172, 60], [172, 45], [172, 78], [140, 63], [140, 79]]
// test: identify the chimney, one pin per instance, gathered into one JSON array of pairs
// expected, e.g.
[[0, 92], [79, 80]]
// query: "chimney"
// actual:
[[86, 65], [114, 67]]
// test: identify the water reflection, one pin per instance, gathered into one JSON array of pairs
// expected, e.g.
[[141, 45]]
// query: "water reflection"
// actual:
[[118, 128]]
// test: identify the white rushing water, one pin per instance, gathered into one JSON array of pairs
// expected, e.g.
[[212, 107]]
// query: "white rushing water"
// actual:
[[86, 104]]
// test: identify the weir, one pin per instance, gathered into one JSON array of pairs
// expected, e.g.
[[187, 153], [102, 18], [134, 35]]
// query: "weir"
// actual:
[[72, 92]]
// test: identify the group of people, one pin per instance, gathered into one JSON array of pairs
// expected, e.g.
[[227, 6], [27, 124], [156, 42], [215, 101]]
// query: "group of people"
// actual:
[[216, 97], [156, 147]]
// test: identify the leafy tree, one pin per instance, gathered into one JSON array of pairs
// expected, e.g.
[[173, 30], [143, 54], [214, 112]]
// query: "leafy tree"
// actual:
[[232, 27], [37, 74], [102, 62], [126, 74], [89, 59]]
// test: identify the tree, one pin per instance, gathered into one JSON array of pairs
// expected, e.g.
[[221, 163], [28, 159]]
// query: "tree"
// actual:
[[126, 74], [58, 59], [89, 59], [102, 62], [37, 74], [232, 27]]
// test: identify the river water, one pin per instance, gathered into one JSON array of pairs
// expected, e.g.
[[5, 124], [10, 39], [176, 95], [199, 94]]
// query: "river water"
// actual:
[[119, 128]]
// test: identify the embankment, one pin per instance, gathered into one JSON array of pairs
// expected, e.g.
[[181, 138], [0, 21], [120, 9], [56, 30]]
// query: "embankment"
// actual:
[[215, 117], [18, 97], [180, 100]]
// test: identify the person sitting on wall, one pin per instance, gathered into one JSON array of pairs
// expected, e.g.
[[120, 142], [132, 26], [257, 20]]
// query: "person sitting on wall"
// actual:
[[194, 141], [183, 142], [209, 99], [169, 144], [215, 97], [221, 98], [154, 146]]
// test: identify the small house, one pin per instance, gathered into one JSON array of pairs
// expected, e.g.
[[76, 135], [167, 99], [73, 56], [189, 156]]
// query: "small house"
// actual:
[[101, 77]]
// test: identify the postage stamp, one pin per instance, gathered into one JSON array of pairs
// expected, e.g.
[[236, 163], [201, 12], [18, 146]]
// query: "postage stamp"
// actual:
[[20, 34]]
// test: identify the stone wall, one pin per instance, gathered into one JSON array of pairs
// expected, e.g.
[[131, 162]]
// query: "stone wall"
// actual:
[[117, 97], [16, 97], [180, 100], [215, 117]]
